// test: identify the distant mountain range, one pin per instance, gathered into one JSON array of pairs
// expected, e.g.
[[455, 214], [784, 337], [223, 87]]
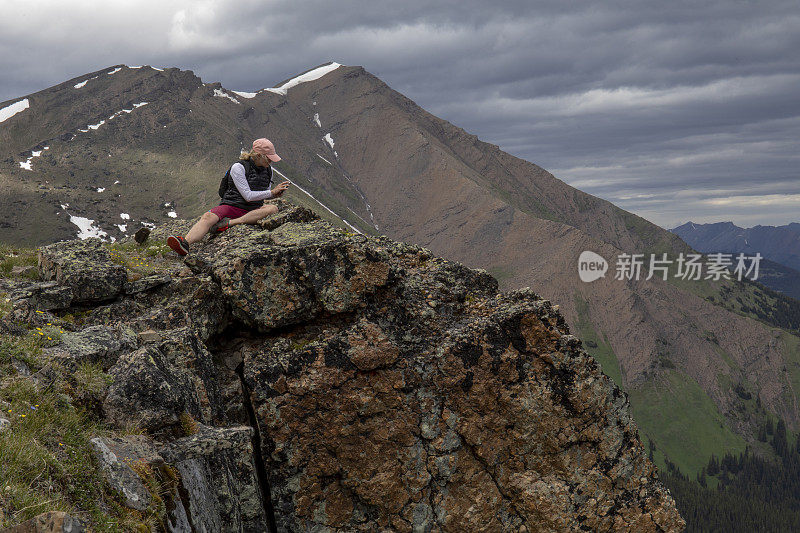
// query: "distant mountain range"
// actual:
[[780, 245], [704, 362]]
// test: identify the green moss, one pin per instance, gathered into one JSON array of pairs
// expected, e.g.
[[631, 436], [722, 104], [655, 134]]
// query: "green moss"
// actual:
[[188, 424], [138, 260], [298, 344]]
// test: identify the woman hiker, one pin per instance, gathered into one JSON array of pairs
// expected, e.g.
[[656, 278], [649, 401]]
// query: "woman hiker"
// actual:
[[244, 188]]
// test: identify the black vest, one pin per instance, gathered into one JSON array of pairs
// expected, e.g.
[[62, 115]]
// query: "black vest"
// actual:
[[258, 178]]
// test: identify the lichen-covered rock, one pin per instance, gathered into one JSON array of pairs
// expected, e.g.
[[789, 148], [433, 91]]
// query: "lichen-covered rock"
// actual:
[[86, 267], [45, 296], [219, 486], [157, 384], [146, 392], [120, 475], [294, 273], [98, 344], [194, 302], [491, 422], [147, 283]]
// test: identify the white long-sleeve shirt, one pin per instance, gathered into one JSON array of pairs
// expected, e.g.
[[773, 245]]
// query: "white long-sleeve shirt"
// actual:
[[240, 180]]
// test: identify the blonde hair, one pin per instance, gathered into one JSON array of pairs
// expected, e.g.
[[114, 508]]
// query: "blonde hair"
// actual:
[[247, 155], [250, 155]]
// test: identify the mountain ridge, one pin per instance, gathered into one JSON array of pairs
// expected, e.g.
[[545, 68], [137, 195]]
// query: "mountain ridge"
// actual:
[[778, 245]]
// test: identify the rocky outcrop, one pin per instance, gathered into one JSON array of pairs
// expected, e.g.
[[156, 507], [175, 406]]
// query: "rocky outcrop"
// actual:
[[300, 378], [86, 267], [119, 473]]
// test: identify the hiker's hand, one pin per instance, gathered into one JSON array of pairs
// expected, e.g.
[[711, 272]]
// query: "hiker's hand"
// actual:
[[280, 188]]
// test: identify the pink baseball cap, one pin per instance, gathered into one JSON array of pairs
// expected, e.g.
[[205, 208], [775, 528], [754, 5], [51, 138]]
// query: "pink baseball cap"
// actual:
[[264, 147]]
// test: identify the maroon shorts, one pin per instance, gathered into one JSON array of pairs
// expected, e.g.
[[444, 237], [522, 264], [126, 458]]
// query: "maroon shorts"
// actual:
[[229, 211]]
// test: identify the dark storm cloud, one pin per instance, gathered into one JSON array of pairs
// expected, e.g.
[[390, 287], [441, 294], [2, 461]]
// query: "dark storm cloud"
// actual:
[[674, 110]]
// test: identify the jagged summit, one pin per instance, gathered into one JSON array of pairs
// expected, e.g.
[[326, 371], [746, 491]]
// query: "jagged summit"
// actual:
[[292, 376]]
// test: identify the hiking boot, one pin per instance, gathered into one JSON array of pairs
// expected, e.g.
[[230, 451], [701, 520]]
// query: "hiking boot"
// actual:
[[222, 225], [178, 244]]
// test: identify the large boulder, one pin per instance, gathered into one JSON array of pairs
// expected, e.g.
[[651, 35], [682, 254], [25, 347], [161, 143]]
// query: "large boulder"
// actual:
[[86, 267], [490, 419], [219, 487], [294, 273], [118, 472], [159, 385], [98, 344]]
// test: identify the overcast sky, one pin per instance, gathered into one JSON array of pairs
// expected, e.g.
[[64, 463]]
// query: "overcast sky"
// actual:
[[674, 110]]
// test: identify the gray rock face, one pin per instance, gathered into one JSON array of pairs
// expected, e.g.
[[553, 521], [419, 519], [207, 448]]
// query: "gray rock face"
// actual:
[[158, 383], [147, 391], [121, 476], [218, 478], [146, 283], [46, 296], [85, 267], [99, 344]]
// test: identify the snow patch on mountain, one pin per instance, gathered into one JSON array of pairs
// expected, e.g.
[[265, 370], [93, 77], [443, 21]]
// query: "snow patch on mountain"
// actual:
[[112, 117], [93, 126], [331, 164], [244, 94], [101, 189], [223, 94], [84, 82], [311, 75], [124, 216], [172, 214], [34, 153], [114, 71], [87, 227], [11, 110], [316, 120], [329, 139]]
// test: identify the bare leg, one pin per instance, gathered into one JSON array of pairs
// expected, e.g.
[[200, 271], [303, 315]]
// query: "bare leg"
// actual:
[[201, 227], [251, 217]]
